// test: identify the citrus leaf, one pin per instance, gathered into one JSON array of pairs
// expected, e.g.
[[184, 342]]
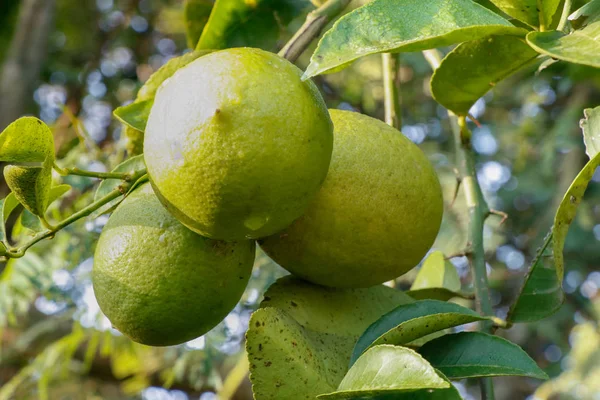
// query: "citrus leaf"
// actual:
[[532, 12], [523, 10], [412, 321], [27, 140], [437, 272], [299, 342], [590, 12], [567, 210], [541, 294], [196, 13], [387, 370], [243, 23], [590, 126], [57, 191], [476, 354], [374, 28], [108, 185], [31, 185], [31, 222], [28, 143], [135, 115], [580, 47], [473, 68], [441, 294], [7, 206]]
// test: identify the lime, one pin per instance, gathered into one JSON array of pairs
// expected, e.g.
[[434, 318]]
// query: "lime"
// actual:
[[374, 218], [160, 283], [237, 145]]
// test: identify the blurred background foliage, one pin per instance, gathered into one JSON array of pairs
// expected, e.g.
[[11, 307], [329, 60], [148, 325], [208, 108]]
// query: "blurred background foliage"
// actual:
[[71, 62]]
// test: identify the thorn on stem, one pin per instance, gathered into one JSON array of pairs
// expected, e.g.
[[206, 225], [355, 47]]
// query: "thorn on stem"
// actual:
[[499, 213]]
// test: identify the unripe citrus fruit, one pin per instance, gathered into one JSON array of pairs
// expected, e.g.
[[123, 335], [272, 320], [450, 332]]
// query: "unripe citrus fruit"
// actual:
[[160, 283], [237, 145], [374, 218]]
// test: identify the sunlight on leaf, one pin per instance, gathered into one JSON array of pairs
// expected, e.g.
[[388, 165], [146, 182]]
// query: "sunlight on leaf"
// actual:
[[590, 126], [373, 28]]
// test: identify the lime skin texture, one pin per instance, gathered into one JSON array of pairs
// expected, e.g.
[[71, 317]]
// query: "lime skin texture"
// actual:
[[376, 215], [237, 145], [158, 282]]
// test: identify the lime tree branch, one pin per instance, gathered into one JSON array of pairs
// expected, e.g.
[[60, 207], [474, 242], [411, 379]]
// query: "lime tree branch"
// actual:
[[478, 211], [126, 176], [312, 27], [49, 233], [391, 92]]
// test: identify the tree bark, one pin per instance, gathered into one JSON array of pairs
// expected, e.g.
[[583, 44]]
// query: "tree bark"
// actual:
[[23, 63]]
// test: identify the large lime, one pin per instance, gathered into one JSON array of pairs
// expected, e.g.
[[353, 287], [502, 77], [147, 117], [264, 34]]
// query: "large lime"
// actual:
[[160, 283], [376, 215], [237, 145]]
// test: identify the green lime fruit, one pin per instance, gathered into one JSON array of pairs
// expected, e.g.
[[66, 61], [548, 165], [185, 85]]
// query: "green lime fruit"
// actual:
[[237, 145], [158, 282], [376, 215]]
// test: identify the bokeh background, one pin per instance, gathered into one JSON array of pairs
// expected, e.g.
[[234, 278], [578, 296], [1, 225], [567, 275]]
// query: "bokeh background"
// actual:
[[71, 62]]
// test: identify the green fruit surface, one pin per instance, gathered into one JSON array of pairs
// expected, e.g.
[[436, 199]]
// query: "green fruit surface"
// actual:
[[376, 215], [237, 145], [158, 282]]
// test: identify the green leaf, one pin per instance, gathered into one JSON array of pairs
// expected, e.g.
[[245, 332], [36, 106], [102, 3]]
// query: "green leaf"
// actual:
[[27, 143], [532, 12], [108, 185], [374, 28], [523, 10], [580, 47], [413, 321], [387, 371], [437, 272], [27, 140], [248, 23], [7, 206], [590, 12], [476, 354], [473, 68], [135, 115], [57, 192], [299, 342], [196, 13], [31, 222], [567, 210], [541, 294], [441, 294], [31, 185], [590, 126]]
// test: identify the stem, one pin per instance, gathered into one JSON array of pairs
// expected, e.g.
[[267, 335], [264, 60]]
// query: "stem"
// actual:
[[564, 17], [48, 233], [391, 92], [478, 211], [312, 27], [92, 174]]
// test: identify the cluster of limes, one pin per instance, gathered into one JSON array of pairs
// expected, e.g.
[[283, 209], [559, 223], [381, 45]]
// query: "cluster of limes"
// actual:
[[238, 148]]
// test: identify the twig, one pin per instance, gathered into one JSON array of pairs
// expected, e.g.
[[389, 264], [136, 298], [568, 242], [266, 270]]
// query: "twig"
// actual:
[[391, 92], [312, 27], [477, 212], [49, 233], [93, 174]]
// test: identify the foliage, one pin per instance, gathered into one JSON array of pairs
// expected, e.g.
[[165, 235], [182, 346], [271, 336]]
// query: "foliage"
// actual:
[[527, 155]]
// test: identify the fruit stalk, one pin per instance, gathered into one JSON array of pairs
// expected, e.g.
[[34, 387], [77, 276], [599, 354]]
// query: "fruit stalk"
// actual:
[[84, 212], [391, 92], [478, 211], [312, 27], [93, 174]]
